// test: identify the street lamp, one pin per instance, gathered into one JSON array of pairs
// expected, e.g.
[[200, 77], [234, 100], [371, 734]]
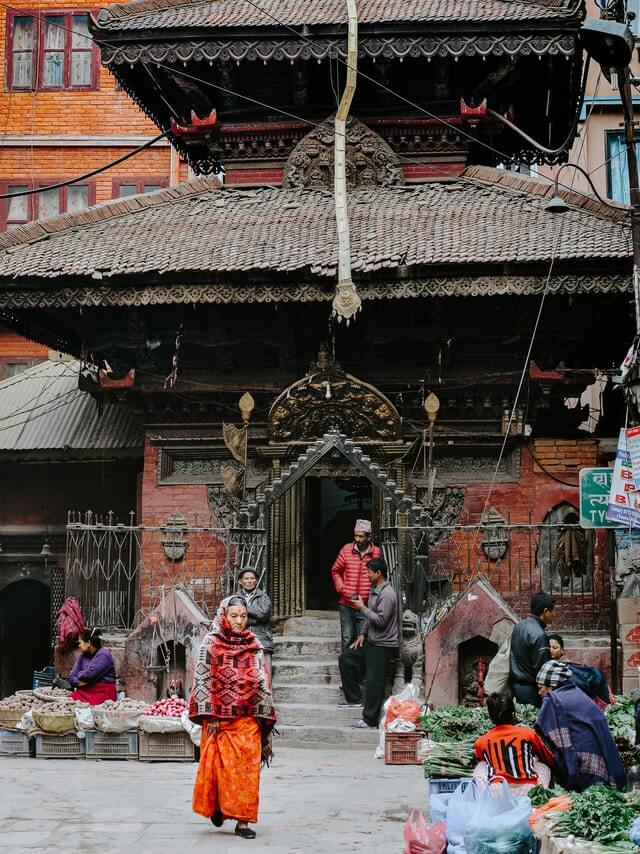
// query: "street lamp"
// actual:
[[557, 204]]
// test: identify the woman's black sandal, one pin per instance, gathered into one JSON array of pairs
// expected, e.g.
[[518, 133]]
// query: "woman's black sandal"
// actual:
[[216, 819], [245, 832]]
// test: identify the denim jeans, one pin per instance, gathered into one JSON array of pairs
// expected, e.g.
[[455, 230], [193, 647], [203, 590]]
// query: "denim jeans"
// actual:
[[350, 624]]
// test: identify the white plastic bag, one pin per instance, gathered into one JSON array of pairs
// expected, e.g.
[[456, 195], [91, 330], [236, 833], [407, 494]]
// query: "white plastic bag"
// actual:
[[409, 692], [194, 730], [500, 824], [110, 721], [84, 720], [461, 807], [497, 678]]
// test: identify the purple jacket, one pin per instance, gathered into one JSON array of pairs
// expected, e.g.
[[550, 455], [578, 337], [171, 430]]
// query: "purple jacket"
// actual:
[[94, 668]]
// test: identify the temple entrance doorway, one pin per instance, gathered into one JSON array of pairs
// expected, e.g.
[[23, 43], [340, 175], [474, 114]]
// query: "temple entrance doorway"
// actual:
[[25, 634], [332, 505]]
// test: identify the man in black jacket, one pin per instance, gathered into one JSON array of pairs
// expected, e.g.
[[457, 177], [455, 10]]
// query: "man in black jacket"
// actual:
[[530, 649], [258, 611]]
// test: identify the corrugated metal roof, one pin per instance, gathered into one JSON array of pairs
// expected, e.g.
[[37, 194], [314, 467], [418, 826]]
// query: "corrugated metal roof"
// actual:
[[42, 409]]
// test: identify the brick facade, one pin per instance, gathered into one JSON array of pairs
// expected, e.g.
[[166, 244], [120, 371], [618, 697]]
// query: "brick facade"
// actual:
[[54, 135]]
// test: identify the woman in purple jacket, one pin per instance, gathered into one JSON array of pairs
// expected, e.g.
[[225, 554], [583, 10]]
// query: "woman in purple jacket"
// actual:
[[94, 674]]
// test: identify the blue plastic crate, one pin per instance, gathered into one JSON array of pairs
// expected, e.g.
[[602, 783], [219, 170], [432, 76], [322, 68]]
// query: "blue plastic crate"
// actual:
[[112, 745], [43, 678], [448, 785]]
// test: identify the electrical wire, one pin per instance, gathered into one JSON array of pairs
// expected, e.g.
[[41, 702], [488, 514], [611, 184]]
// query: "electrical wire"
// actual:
[[90, 174], [525, 369]]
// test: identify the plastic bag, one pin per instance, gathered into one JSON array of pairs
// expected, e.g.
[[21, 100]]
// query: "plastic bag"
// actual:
[[461, 807], [409, 692], [84, 719], [634, 833], [497, 678], [438, 806], [500, 823], [408, 710], [194, 730], [110, 721], [419, 838]]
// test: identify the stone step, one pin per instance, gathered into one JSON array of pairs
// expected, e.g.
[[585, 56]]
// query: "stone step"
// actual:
[[313, 694], [306, 671], [292, 646], [320, 737], [316, 714], [310, 625]]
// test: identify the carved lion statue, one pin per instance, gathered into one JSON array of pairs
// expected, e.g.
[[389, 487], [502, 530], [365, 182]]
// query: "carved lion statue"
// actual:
[[410, 663]]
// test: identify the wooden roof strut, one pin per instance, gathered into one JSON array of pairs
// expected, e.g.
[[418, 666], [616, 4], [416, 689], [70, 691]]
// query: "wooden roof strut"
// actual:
[[346, 303]]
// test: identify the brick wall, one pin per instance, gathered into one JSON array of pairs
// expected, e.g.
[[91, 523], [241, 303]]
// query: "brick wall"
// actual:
[[516, 576], [205, 556], [104, 112]]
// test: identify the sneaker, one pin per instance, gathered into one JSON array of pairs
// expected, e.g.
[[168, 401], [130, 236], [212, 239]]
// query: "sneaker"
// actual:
[[345, 703], [361, 725]]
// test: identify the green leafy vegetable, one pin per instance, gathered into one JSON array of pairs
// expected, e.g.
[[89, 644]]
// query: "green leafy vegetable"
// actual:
[[599, 814]]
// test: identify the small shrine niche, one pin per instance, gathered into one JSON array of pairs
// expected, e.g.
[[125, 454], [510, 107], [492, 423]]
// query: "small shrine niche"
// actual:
[[474, 657]]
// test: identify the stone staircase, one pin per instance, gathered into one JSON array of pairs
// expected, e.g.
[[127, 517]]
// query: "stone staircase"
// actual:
[[306, 686]]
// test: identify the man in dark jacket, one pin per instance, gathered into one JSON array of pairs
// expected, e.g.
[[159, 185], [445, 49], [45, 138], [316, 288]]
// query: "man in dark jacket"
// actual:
[[530, 649], [258, 610], [374, 647]]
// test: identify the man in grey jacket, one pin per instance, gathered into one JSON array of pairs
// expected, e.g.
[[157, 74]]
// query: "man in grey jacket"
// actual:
[[530, 649], [374, 647], [258, 610]]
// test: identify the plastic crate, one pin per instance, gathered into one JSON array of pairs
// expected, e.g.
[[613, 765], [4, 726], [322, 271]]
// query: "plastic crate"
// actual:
[[43, 678], [448, 785], [13, 743], [112, 745], [165, 747], [401, 748], [60, 746]]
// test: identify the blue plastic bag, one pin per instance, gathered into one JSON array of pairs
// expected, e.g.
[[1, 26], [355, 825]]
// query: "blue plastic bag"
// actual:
[[500, 823], [462, 805], [634, 833], [438, 804]]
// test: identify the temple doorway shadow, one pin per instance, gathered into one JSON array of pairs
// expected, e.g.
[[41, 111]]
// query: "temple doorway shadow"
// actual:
[[25, 633], [332, 505]]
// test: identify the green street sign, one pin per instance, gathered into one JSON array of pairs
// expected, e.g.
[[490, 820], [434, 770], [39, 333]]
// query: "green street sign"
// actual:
[[595, 486]]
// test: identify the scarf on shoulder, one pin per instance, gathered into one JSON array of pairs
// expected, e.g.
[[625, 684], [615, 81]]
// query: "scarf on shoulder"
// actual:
[[576, 731], [231, 679]]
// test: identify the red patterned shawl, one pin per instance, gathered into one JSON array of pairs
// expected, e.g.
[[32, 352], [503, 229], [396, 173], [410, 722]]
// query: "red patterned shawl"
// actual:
[[231, 680]]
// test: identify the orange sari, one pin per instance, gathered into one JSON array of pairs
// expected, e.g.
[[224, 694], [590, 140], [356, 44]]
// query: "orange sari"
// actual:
[[228, 777]]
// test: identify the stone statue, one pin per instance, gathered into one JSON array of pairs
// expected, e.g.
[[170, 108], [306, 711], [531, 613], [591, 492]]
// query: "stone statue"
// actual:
[[410, 663]]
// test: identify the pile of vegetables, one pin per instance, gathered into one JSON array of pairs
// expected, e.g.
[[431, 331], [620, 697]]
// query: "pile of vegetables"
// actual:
[[462, 724], [599, 814], [540, 797], [447, 759], [172, 707]]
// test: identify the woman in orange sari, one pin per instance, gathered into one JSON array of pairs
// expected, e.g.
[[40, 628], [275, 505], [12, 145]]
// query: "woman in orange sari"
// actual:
[[231, 698]]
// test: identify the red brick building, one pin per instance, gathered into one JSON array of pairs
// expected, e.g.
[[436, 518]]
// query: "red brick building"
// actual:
[[62, 114]]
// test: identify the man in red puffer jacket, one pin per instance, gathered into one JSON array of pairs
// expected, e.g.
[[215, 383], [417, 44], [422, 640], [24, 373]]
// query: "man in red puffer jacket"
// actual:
[[349, 576]]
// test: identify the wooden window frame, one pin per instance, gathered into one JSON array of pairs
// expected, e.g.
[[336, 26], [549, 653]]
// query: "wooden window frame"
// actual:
[[33, 201], [139, 181], [37, 70]]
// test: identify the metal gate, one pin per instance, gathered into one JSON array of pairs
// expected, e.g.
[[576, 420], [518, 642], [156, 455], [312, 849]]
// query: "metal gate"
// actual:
[[119, 571]]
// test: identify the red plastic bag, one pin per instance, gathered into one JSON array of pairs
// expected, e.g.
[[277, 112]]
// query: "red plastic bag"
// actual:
[[408, 710], [420, 838]]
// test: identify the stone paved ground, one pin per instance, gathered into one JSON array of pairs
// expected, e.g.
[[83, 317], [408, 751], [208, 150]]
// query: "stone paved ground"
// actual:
[[312, 801]]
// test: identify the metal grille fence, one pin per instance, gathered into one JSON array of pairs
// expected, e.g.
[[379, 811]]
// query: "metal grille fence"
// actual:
[[518, 560], [120, 571]]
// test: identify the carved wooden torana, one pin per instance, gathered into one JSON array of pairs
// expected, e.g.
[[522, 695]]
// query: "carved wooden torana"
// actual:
[[329, 399]]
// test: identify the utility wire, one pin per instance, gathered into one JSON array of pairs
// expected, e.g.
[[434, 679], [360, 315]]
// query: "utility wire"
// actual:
[[86, 175]]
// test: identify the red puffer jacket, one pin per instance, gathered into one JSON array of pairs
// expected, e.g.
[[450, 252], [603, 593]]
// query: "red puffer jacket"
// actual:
[[349, 572]]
